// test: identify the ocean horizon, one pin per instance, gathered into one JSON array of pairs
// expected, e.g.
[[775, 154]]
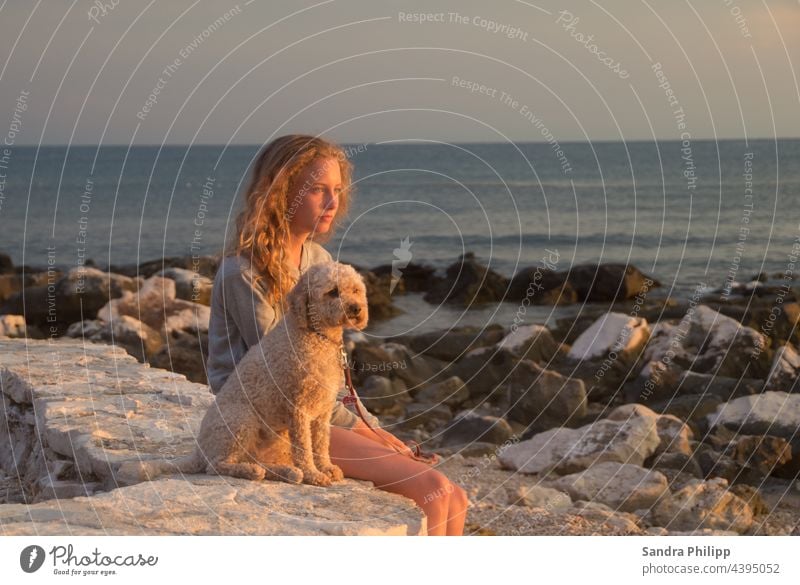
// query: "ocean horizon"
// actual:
[[691, 213]]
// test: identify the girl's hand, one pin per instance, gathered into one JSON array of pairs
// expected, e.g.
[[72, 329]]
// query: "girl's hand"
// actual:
[[381, 436], [407, 450], [384, 437]]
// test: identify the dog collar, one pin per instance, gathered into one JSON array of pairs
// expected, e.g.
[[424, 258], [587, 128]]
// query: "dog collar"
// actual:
[[326, 338]]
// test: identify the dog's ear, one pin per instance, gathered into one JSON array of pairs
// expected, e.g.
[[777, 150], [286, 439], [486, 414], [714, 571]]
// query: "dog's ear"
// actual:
[[298, 302]]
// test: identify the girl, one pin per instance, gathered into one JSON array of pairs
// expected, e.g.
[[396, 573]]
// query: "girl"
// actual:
[[299, 191]]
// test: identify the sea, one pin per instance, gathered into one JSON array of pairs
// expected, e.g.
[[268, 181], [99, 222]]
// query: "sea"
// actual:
[[692, 213]]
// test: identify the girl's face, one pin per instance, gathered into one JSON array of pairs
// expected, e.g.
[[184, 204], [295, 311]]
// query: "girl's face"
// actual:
[[313, 206]]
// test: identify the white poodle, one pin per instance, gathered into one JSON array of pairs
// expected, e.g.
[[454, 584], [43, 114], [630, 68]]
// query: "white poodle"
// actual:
[[271, 418]]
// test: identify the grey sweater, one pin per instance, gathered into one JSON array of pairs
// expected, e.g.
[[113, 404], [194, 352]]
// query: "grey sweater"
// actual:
[[241, 315]]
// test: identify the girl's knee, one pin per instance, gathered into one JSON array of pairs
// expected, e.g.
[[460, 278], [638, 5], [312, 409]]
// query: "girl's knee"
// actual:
[[437, 488], [459, 497]]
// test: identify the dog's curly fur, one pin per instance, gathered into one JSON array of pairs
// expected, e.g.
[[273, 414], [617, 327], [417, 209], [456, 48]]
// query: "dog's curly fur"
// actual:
[[271, 418]]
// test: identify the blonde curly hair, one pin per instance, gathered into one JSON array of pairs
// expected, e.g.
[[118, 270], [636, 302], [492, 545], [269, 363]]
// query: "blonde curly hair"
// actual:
[[262, 226]]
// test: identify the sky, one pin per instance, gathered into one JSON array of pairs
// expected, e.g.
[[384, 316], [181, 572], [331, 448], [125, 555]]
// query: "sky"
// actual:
[[238, 72]]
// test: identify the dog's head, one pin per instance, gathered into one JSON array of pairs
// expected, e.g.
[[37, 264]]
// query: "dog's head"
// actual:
[[330, 294]]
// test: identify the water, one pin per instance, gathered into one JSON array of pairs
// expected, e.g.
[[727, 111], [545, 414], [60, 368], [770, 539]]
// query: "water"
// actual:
[[506, 203]]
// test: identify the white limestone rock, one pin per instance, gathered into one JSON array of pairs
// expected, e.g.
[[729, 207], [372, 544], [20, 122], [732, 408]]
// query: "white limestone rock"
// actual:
[[156, 305], [564, 450], [189, 285], [674, 435], [665, 346], [613, 332], [709, 342], [213, 505], [768, 413], [76, 412], [537, 496], [704, 504], [532, 342], [621, 486], [137, 338], [785, 369]]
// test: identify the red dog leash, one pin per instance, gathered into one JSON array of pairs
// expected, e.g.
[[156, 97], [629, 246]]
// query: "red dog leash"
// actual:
[[417, 453]]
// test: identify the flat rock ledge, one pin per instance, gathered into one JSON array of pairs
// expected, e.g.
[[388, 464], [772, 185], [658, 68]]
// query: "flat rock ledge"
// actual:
[[73, 412], [212, 505]]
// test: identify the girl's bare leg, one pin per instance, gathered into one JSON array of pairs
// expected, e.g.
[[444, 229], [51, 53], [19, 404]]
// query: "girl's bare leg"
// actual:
[[443, 502]]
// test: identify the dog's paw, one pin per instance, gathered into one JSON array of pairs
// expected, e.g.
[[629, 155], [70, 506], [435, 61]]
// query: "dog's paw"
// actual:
[[314, 477], [287, 473], [294, 475], [334, 472]]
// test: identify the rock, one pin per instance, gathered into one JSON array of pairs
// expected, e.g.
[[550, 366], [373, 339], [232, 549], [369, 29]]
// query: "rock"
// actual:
[[368, 360], [611, 334], [702, 532], [656, 381], [564, 450], [203, 265], [542, 399], [785, 369], [765, 454], [452, 344], [77, 295], [189, 285], [716, 464], [616, 521], [451, 392], [383, 396], [745, 458], [605, 379], [666, 383], [692, 408], [216, 505], [484, 370], [105, 409], [704, 504], [770, 413], [10, 285], [752, 497], [379, 299], [724, 388], [467, 428], [666, 344], [138, 339], [536, 496], [609, 282], [708, 342], [674, 435], [415, 371], [413, 277], [532, 342], [475, 449], [157, 306], [727, 348], [468, 284], [431, 417], [6, 264], [781, 325], [12, 326], [50, 488], [184, 354], [541, 286], [621, 486], [679, 462]]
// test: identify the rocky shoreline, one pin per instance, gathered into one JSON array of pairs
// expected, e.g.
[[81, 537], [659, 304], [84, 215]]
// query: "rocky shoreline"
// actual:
[[642, 414]]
